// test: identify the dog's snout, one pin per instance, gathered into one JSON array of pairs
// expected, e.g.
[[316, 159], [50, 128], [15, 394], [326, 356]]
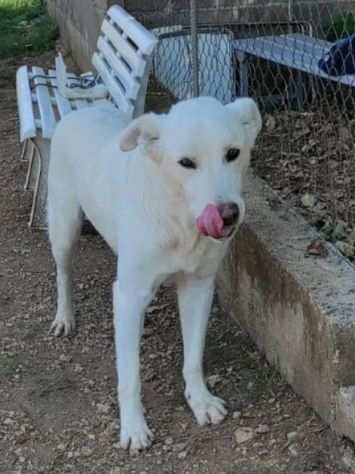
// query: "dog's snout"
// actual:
[[229, 213]]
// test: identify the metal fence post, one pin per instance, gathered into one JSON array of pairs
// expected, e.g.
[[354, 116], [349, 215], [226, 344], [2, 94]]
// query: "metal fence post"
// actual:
[[194, 48]]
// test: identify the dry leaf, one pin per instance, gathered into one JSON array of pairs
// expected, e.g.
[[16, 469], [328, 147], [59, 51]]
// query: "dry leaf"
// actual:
[[308, 200], [317, 247]]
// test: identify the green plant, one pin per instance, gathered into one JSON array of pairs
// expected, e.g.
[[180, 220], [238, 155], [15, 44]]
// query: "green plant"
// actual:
[[25, 28], [340, 26]]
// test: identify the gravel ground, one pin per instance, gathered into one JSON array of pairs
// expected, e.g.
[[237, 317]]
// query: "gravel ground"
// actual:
[[58, 410]]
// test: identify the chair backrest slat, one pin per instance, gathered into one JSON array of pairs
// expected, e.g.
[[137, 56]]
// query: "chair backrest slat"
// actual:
[[122, 58]]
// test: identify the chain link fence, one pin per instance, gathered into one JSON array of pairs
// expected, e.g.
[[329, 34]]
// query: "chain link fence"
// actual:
[[273, 52]]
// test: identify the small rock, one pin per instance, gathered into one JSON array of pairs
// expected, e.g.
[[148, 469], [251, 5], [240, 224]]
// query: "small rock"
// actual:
[[236, 415], [292, 435], [308, 200], [182, 455], [242, 435], [349, 458], [87, 452], [103, 408], [115, 470], [262, 429], [169, 441], [179, 446], [270, 122], [148, 331], [258, 444], [345, 134], [111, 429], [213, 380], [293, 450], [21, 437]]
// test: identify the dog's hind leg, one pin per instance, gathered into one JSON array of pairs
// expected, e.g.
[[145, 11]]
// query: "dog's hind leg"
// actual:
[[195, 298], [64, 223]]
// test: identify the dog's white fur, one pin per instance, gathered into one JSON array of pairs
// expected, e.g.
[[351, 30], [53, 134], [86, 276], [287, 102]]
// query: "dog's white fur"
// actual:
[[127, 180]]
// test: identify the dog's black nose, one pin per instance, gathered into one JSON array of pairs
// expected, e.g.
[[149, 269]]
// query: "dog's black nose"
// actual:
[[229, 213]]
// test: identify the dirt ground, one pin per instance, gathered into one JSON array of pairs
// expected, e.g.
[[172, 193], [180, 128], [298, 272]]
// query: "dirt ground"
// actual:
[[58, 409]]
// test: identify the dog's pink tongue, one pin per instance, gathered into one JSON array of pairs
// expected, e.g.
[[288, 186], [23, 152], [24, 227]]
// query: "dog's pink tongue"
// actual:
[[210, 222]]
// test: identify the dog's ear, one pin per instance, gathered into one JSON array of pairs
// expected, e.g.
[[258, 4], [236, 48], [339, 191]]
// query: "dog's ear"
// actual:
[[248, 116], [145, 130]]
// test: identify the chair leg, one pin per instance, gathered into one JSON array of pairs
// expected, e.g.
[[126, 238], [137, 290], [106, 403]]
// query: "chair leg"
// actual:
[[24, 151], [36, 154], [30, 165]]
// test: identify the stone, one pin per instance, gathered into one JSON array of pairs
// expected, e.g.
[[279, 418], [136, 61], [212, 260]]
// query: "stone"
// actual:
[[115, 470], [262, 429], [182, 455], [292, 435], [242, 435], [103, 408], [87, 452]]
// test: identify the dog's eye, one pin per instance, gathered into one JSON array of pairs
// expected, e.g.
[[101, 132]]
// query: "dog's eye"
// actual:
[[232, 154], [187, 163]]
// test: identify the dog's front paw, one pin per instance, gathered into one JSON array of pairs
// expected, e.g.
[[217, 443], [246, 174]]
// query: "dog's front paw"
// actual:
[[207, 408], [62, 324], [135, 434]]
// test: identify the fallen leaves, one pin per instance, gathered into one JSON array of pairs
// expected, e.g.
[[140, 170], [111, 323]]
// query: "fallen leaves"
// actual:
[[317, 248], [345, 248], [308, 157]]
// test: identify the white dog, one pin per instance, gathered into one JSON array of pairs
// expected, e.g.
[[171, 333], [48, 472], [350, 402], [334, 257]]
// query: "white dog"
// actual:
[[165, 191]]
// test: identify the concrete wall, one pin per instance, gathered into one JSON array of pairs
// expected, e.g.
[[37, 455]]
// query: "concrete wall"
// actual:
[[79, 22], [298, 308], [153, 12]]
